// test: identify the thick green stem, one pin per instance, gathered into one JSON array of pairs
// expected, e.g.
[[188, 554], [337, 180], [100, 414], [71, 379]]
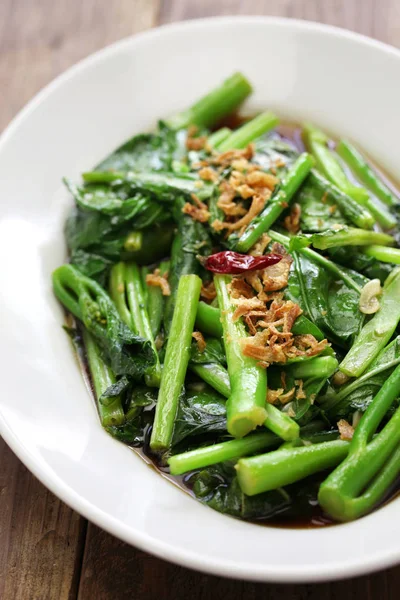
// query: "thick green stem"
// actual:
[[146, 246], [215, 105], [126, 290], [208, 319], [355, 213], [384, 254], [155, 300], [246, 404], [373, 461], [281, 424], [216, 138], [276, 469], [347, 236], [211, 455], [321, 367], [249, 132], [374, 336], [215, 375], [276, 205], [317, 143], [216, 453], [176, 360], [111, 414], [164, 185], [365, 173]]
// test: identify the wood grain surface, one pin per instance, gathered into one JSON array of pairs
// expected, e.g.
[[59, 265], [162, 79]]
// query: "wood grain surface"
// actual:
[[47, 551]]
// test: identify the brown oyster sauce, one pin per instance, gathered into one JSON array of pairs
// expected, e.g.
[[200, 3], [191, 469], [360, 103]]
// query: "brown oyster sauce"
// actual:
[[311, 515]]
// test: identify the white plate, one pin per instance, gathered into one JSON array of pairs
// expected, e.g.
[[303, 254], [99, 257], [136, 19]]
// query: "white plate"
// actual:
[[342, 81]]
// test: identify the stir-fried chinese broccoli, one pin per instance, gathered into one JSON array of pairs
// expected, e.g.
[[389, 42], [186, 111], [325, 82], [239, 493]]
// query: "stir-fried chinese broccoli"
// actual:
[[237, 302]]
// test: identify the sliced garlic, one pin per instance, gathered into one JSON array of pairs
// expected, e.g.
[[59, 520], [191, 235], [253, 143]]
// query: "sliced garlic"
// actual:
[[369, 303]]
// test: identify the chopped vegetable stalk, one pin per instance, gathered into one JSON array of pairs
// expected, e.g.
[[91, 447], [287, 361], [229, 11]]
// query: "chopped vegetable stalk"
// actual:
[[216, 453], [216, 138], [355, 213], [317, 142], [250, 131], [215, 375], [102, 378], [166, 186], [345, 236], [276, 205], [281, 423], [384, 254], [246, 404], [365, 173], [375, 334], [373, 461], [148, 245], [215, 105], [210, 455], [321, 367], [155, 300], [208, 319], [177, 357], [276, 469], [126, 290]]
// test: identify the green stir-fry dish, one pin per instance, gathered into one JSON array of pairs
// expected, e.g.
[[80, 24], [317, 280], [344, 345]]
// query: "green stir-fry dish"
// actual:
[[236, 297]]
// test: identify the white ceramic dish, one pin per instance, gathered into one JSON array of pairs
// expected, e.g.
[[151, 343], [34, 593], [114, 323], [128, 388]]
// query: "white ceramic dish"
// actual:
[[342, 81]]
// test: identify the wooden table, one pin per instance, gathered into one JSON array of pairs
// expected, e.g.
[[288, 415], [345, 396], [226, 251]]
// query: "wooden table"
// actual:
[[47, 551]]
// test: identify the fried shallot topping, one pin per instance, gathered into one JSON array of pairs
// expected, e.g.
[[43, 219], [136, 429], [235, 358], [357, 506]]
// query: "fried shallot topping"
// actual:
[[200, 341], [345, 429], [292, 221], [244, 188], [208, 291], [194, 142], [157, 280], [198, 211], [269, 318], [274, 395], [259, 247]]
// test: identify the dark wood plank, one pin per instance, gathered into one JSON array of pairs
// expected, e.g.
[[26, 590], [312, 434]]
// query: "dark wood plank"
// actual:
[[112, 569], [41, 38], [41, 539], [377, 18]]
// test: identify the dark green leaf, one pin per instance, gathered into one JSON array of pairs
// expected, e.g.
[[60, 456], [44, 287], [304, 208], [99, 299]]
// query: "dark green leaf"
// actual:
[[200, 412], [327, 301], [213, 353], [147, 152], [92, 265]]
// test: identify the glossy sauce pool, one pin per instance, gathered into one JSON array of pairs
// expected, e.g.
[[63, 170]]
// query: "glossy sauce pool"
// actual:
[[311, 515]]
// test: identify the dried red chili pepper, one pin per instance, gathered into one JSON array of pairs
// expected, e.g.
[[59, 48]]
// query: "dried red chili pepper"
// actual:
[[233, 263]]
